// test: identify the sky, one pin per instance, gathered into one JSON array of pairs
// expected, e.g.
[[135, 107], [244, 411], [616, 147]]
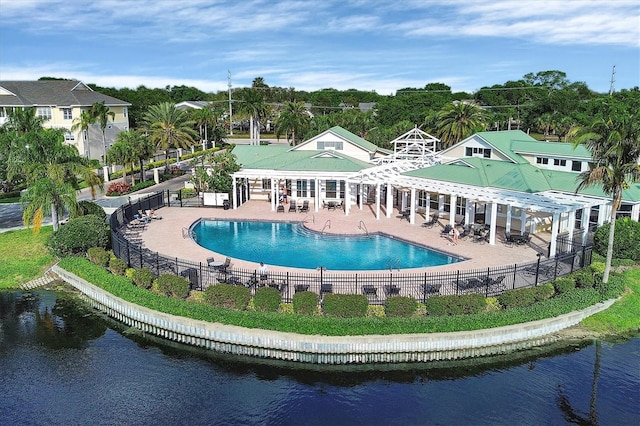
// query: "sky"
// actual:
[[369, 45]]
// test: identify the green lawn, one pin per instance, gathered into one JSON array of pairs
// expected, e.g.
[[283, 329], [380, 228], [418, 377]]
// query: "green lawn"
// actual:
[[24, 256], [10, 200], [624, 315]]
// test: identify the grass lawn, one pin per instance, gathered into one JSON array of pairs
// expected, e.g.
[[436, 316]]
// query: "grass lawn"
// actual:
[[24, 256], [624, 315], [10, 200]]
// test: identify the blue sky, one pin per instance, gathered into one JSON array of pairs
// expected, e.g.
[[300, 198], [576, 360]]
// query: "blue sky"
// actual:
[[309, 45]]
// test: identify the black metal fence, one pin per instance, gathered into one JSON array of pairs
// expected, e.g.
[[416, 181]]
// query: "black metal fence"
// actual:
[[377, 286]]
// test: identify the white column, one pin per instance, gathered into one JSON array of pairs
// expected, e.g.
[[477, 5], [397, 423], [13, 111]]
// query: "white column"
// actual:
[[361, 195], [554, 234], [453, 199], [389, 199], [378, 201], [571, 223], [603, 214], [105, 172], [507, 225], [193, 149], [523, 221], [234, 194], [467, 211], [316, 201], [635, 212], [178, 155], [586, 212], [156, 175], [204, 145], [440, 204], [427, 207], [347, 198], [494, 216], [412, 207]]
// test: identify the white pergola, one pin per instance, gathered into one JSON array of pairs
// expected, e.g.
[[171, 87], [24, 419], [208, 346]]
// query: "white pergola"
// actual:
[[414, 146]]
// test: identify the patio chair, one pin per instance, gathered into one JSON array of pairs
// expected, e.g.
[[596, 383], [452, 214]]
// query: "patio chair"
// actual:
[[432, 289], [466, 231], [431, 222], [508, 239], [305, 206], [292, 206], [210, 261], [225, 266], [391, 290], [280, 209], [445, 232]]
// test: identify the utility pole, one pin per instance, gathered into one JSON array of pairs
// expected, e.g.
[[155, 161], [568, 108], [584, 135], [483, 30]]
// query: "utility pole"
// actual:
[[613, 80], [230, 109]]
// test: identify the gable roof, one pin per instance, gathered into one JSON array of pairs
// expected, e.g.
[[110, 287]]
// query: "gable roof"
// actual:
[[279, 157], [347, 136], [67, 93], [522, 177], [554, 149]]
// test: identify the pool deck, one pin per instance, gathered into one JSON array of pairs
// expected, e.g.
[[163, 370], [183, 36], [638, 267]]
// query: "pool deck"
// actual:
[[166, 236]]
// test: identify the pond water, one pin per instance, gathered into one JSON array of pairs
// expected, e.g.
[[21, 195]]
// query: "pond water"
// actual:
[[62, 364]]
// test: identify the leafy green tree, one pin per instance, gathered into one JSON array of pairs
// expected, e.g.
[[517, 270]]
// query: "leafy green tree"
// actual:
[[141, 147], [101, 113], [253, 105], [24, 120], [82, 122], [615, 149], [219, 178], [168, 127], [293, 120], [459, 120], [121, 153]]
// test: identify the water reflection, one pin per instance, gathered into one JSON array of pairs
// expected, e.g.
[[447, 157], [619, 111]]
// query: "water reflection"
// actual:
[[61, 364]]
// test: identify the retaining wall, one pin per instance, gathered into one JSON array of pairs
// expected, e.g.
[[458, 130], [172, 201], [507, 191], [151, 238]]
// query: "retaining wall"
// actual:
[[328, 349]]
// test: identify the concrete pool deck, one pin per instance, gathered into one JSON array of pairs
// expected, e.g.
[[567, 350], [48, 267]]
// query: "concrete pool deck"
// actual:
[[166, 236]]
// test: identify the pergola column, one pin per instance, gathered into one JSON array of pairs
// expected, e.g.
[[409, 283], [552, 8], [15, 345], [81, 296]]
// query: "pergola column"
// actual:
[[440, 204], [361, 193], [389, 199], [347, 198], [378, 201], [523, 221], [235, 194], [274, 194], [571, 223], [507, 225], [453, 199], [555, 225], [467, 210], [427, 207], [316, 201], [586, 212], [412, 206], [494, 216], [635, 212]]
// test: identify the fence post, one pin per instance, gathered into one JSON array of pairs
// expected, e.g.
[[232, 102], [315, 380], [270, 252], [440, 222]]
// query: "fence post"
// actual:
[[537, 269], [424, 289], [582, 261], [200, 278], [458, 281]]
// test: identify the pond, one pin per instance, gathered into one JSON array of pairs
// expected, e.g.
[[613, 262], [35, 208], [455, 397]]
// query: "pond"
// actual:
[[63, 364]]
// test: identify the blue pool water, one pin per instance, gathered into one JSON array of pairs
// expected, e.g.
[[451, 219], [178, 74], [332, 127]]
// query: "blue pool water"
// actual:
[[290, 244]]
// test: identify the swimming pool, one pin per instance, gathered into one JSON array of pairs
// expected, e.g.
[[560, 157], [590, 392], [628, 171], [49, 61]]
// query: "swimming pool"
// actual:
[[292, 245]]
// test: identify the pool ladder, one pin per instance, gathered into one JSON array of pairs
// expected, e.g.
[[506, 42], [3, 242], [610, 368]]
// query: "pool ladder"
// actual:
[[393, 264], [313, 219], [362, 226], [327, 224]]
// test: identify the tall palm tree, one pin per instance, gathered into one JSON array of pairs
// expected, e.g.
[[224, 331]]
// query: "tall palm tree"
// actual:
[[101, 113], [459, 120], [47, 196], [168, 127], [615, 150], [82, 122], [121, 152], [142, 148], [24, 120], [204, 117], [293, 120], [252, 104]]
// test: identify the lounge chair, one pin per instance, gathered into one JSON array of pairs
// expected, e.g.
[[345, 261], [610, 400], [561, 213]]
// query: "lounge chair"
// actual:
[[445, 232], [391, 290], [508, 239], [292, 206], [432, 221], [305, 206], [432, 289], [466, 231], [280, 208]]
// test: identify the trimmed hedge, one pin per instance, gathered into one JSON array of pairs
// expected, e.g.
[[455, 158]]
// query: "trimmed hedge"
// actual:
[[142, 185], [78, 236], [345, 305], [400, 306], [305, 303], [88, 207], [172, 286], [267, 299], [99, 256], [228, 296], [117, 266], [564, 284], [584, 278], [142, 277], [525, 296], [456, 305]]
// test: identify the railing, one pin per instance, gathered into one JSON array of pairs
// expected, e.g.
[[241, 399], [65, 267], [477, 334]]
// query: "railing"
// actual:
[[377, 286], [362, 226], [327, 224]]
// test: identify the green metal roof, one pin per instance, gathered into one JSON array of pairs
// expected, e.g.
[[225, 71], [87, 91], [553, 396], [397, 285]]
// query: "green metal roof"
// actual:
[[354, 139], [279, 157], [503, 140], [557, 149]]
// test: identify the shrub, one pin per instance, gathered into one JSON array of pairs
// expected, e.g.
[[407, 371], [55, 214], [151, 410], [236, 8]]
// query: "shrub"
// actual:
[[400, 306], [584, 278], [228, 296], [78, 236], [543, 292], [267, 299], [99, 256], [456, 305], [626, 241], [118, 188], [142, 278], [117, 266], [613, 288], [187, 193], [87, 207], [172, 286], [305, 303], [375, 311], [517, 298], [142, 185], [345, 305], [564, 284]]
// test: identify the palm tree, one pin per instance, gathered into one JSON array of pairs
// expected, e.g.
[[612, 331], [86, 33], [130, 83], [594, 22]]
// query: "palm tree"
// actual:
[[168, 127], [82, 123], [204, 118], [121, 153], [293, 120], [459, 120], [101, 113], [142, 148], [253, 105], [47, 196], [615, 150], [24, 120]]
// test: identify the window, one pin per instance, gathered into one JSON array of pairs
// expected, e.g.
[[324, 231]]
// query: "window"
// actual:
[[301, 188], [266, 183], [542, 160], [312, 188], [576, 166], [2, 113], [66, 114], [124, 111], [333, 145], [332, 187], [478, 152], [69, 137], [558, 162], [460, 206], [44, 112], [434, 202], [624, 211], [422, 198]]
